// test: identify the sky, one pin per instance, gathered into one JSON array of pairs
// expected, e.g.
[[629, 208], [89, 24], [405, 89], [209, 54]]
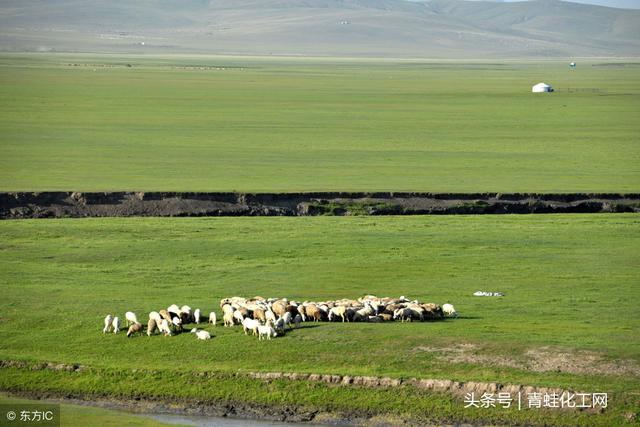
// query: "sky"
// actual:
[[626, 4]]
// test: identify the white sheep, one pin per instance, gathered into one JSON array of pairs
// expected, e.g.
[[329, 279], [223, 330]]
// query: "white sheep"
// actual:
[[250, 325], [200, 334], [107, 323], [237, 315], [226, 308], [266, 331], [155, 316], [228, 319], [173, 308], [287, 319], [269, 316], [196, 316], [449, 310], [338, 311], [116, 324], [151, 326], [212, 318], [164, 327], [131, 318]]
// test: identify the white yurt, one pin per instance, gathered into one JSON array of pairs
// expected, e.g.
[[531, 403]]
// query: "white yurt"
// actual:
[[541, 87]]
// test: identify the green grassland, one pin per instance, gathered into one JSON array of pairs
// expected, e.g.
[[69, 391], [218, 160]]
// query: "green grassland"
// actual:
[[571, 285], [268, 124]]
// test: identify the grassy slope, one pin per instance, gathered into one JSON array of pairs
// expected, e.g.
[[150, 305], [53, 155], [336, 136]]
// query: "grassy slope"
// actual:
[[291, 125], [570, 280]]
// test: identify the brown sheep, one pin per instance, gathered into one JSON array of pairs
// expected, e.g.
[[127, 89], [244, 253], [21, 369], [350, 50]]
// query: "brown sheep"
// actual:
[[313, 312], [386, 317], [258, 314], [133, 329], [279, 308], [165, 315], [391, 308]]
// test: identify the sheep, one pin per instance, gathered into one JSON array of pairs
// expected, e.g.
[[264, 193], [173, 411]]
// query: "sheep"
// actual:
[[338, 311], [449, 310], [155, 316], [212, 318], [244, 311], [165, 315], [324, 311], [107, 324], [302, 312], [279, 308], [185, 314], [200, 334], [164, 327], [402, 314], [151, 326], [386, 317], [297, 320], [173, 308], [116, 324], [131, 318], [227, 318], [266, 331], [196, 316], [177, 324], [250, 325], [134, 328], [313, 312], [269, 316], [417, 312], [238, 317], [287, 319], [432, 311], [259, 314], [227, 312], [280, 325]]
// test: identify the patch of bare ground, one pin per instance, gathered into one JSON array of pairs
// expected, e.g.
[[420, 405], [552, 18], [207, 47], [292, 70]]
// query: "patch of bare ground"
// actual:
[[540, 359]]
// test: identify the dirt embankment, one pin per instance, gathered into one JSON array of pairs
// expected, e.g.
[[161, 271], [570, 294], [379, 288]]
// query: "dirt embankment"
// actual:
[[276, 412], [19, 205]]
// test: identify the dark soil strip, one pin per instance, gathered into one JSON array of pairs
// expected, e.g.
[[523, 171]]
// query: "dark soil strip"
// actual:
[[160, 204]]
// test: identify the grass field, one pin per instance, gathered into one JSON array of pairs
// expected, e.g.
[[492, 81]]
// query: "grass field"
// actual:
[[252, 124], [571, 284]]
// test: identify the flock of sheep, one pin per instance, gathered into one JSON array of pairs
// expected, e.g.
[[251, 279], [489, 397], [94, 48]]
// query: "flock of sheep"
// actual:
[[269, 318]]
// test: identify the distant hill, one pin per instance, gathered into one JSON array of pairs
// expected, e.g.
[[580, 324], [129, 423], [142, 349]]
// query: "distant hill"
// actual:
[[436, 28]]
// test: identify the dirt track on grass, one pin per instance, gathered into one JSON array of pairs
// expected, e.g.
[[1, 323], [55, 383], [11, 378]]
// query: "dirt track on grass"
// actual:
[[21, 205]]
